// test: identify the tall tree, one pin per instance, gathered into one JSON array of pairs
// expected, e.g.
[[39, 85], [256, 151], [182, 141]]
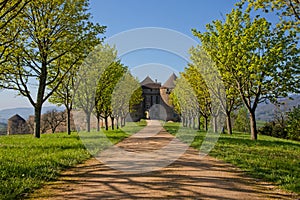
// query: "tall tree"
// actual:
[[126, 94], [260, 62], [89, 75], [216, 84], [51, 30], [64, 94], [184, 100], [106, 85], [196, 81]]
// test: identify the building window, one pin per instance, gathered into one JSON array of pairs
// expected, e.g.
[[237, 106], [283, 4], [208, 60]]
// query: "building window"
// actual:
[[157, 99]]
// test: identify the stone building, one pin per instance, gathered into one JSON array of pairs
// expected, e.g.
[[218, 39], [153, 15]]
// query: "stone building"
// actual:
[[155, 104], [17, 125]]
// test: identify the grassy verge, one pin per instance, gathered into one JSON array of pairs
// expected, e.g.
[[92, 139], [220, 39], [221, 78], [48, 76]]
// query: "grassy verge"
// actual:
[[271, 159], [26, 163]]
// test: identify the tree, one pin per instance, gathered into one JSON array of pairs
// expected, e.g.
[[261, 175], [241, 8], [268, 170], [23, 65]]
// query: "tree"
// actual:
[[184, 100], [89, 75], [216, 84], [242, 122], [261, 63], [196, 81], [64, 94], [106, 85], [52, 119], [126, 94], [9, 29], [293, 123], [287, 10], [51, 31]]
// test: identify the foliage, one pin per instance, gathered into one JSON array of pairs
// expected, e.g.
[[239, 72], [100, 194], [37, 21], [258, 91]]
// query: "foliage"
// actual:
[[9, 30], [242, 121], [216, 84], [293, 124], [126, 94], [261, 63], [106, 85], [286, 125], [27, 164], [184, 100], [287, 10], [53, 119], [271, 159], [88, 78], [197, 83], [50, 33]]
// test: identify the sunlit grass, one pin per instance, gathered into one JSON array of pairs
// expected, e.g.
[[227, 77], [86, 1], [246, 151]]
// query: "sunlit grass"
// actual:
[[271, 159], [26, 163]]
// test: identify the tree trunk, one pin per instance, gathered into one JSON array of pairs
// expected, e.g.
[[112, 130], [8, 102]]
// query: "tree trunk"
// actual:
[[117, 120], [112, 123], [206, 123], [228, 123], [199, 122], [88, 122], [106, 123], [124, 121], [215, 124], [194, 123], [122, 125], [37, 120], [253, 125], [98, 123], [68, 121]]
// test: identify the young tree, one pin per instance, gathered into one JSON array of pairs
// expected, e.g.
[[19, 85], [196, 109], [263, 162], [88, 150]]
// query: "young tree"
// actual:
[[89, 75], [261, 63], [50, 30], [196, 81], [185, 100], [293, 123], [220, 88], [53, 119], [64, 94], [242, 121], [126, 94], [106, 85]]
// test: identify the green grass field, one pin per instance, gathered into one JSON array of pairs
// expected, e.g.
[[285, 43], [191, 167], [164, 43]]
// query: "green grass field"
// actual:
[[271, 159], [27, 163]]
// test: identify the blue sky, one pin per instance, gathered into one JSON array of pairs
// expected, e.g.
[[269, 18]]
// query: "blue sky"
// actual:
[[123, 15]]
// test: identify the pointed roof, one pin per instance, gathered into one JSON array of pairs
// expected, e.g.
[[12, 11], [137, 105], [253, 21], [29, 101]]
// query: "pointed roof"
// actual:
[[16, 118], [170, 83], [147, 80]]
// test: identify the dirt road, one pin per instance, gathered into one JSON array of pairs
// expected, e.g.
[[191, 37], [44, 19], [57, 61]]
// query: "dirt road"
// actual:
[[126, 172]]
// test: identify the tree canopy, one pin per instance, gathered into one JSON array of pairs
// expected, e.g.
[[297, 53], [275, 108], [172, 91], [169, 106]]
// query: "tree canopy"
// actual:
[[50, 32], [260, 62]]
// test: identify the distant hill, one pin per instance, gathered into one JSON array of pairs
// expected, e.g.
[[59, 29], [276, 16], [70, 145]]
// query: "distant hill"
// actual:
[[265, 111], [23, 112]]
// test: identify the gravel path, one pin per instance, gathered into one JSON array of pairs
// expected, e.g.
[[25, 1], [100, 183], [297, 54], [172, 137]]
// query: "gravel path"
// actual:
[[130, 170]]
